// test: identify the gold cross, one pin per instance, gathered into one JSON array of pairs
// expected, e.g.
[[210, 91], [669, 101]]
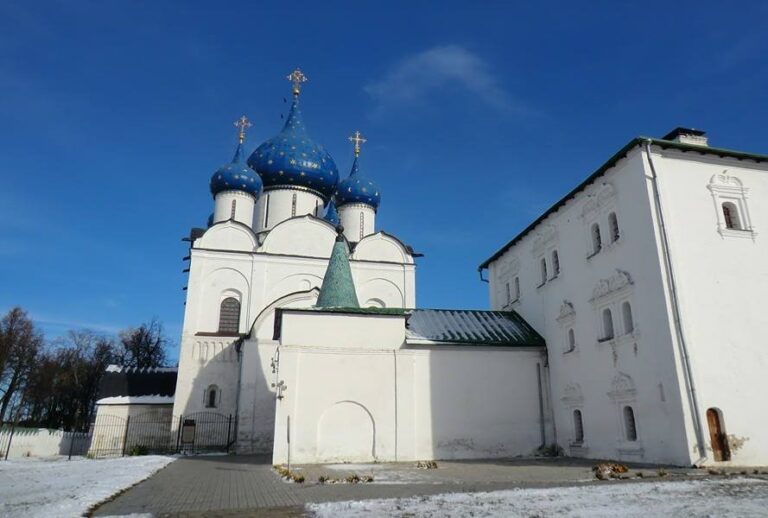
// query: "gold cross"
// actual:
[[358, 139], [241, 124], [296, 77]]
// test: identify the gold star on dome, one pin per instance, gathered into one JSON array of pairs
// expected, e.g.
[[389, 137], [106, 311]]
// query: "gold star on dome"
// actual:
[[242, 124], [296, 77], [358, 139]]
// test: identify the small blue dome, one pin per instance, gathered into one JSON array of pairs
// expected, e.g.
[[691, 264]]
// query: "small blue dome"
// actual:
[[236, 176], [292, 159], [357, 189], [331, 215]]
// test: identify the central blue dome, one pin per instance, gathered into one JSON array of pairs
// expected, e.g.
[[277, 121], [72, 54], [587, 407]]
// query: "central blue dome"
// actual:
[[292, 159]]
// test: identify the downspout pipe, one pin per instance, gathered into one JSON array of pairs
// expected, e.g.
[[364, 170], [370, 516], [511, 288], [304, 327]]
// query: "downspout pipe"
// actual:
[[676, 313]]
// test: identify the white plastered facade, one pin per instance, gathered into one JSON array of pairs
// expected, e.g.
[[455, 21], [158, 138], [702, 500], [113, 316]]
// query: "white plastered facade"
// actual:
[[718, 277]]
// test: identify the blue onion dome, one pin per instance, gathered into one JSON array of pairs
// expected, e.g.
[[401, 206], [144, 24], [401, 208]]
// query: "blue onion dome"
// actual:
[[356, 188], [331, 214], [291, 159], [210, 220], [236, 176]]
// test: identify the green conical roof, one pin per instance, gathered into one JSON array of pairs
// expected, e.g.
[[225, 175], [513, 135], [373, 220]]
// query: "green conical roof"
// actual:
[[338, 289]]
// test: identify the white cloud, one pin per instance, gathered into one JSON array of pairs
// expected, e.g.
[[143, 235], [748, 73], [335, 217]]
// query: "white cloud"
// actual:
[[416, 76]]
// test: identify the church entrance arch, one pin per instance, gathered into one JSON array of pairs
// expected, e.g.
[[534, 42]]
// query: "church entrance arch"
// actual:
[[717, 437], [346, 433]]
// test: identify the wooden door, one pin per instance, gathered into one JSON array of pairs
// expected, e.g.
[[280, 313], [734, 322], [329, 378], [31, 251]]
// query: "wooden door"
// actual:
[[717, 436]]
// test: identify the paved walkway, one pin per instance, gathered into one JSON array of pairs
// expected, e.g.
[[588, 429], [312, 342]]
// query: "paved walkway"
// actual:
[[244, 485]]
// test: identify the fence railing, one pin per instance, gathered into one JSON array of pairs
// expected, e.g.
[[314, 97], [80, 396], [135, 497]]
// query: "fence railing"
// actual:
[[115, 435]]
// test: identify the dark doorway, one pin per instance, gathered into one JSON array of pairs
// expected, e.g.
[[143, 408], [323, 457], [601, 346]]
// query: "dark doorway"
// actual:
[[717, 436]]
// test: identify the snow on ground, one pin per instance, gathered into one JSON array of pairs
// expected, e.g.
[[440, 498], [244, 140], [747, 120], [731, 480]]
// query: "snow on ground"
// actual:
[[57, 487], [723, 498]]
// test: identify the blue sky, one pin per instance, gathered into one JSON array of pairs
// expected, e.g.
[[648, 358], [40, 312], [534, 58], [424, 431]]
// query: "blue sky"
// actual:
[[479, 116]]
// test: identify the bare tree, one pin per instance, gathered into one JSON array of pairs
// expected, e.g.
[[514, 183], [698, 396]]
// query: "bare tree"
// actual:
[[143, 346], [20, 343]]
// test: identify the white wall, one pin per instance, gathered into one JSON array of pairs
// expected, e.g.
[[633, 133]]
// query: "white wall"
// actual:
[[722, 276], [38, 442], [361, 400], [277, 205], [599, 378], [358, 220], [242, 202]]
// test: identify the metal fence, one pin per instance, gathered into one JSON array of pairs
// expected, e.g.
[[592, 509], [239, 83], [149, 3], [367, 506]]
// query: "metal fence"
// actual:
[[150, 432]]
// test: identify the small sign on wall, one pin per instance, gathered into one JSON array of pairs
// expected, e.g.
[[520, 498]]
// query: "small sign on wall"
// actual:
[[188, 432]]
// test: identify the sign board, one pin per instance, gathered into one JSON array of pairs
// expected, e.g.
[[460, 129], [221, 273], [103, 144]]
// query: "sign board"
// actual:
[[188, 431]]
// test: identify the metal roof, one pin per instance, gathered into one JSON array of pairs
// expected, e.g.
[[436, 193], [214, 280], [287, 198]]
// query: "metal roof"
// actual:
[[472, 327], [638, 141]]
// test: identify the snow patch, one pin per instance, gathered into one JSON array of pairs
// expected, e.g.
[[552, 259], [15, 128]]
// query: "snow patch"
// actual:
[[722, 498], [61, 488]]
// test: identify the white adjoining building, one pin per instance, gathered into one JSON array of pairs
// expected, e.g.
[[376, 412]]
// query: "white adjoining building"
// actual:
[[646, 282], [300, 319]]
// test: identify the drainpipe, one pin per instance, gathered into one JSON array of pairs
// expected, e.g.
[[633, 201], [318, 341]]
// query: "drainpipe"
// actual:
[[239, 350], [686, 361]]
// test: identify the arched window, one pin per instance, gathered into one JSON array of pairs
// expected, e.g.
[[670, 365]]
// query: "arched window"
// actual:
[[578, 427], [233, 209], [229, 316], [571, 340], [362, 225], [555, 263], [630, 427], [212, 396], [731, 216], [517, 288], [613, 224], [607, 324], [293, 205], [266, 211], [543, 270], [626, 312], [597, 242], [509, 294]]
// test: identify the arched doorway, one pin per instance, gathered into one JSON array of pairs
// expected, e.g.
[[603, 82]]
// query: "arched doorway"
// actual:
[[717, 436]]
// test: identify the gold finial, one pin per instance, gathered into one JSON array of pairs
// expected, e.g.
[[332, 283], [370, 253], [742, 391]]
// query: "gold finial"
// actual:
[[358, 139], [241, 124], [296, 77]]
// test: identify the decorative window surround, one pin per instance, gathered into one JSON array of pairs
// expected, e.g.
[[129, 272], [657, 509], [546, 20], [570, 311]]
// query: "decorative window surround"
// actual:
[[572, 396], [612, 287], [567, 314], [727, 188]]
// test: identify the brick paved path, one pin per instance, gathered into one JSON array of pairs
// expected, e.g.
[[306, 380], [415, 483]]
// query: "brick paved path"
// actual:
[[205, 486]]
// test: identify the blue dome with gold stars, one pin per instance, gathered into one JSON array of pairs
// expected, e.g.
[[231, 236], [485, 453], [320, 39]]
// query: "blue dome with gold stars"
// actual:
[[357, 189], [293, 159], [331, 214], [236, 176]]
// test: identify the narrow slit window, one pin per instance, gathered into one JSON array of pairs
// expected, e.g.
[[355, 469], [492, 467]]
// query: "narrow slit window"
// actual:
[[233, 209], [266, 212], [509, 294], [597, 241], [555, 263], [629, 324], [543, 270], [362, 225], [613, 223], [607, 324], [571, 340], [630, 426], [293, 205], [517, 288], [731, 216], [578, 427], [212, 397]]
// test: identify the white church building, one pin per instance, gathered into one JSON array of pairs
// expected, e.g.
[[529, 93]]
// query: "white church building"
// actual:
[[623, 322]]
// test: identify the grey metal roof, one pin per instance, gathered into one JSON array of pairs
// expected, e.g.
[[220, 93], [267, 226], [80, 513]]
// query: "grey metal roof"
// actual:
[[458, 326]]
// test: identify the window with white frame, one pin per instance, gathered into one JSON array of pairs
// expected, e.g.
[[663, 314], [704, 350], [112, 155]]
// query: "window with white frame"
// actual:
[[517, 289], [730, 199], [555, 263], [508, 293], [543, 266], [212, 396]]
